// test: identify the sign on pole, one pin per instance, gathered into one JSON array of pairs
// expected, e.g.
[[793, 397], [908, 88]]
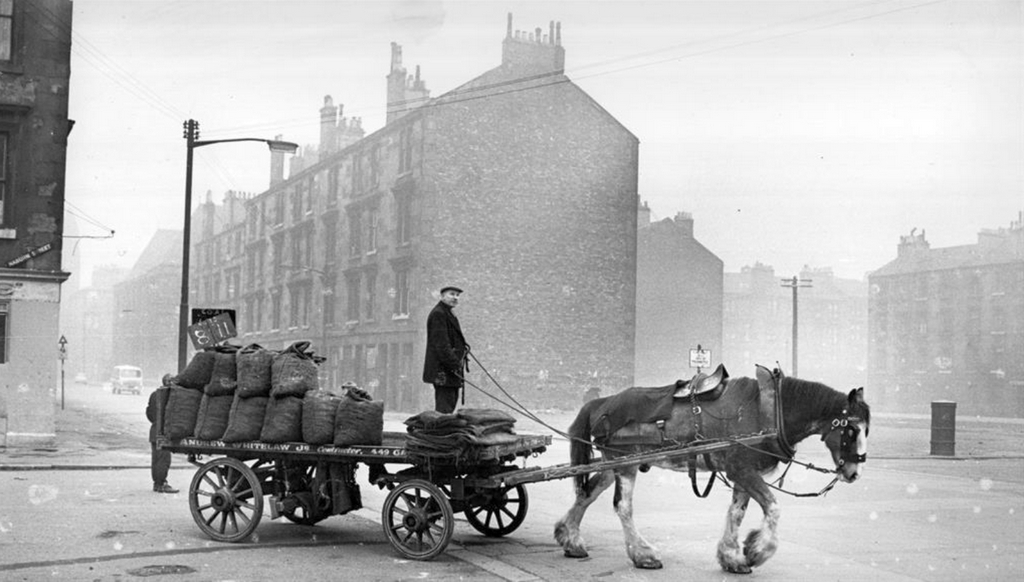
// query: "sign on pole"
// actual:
[[211, 326], [700, 358]]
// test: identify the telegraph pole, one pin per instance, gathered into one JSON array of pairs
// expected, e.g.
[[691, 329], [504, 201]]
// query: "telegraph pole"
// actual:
[[794, 284]]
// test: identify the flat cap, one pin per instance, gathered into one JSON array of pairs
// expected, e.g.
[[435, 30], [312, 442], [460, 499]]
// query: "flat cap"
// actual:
[[450, 288]]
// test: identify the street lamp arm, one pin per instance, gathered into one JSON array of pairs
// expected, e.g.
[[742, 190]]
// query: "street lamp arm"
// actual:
[[275, 145]]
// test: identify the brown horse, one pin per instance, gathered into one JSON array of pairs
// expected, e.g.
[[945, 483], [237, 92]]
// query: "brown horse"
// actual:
[[800, 407]]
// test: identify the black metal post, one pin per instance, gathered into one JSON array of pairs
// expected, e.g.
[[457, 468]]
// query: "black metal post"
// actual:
[[191, 129]]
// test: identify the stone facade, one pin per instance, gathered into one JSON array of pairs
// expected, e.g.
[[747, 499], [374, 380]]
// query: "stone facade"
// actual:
[[35, 56], [516, 186], [948, 324]]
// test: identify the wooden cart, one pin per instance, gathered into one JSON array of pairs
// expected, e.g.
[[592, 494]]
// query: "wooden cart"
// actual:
[[308, 483]]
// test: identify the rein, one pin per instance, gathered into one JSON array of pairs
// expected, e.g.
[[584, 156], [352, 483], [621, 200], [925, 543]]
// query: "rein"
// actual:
[[788, 451]]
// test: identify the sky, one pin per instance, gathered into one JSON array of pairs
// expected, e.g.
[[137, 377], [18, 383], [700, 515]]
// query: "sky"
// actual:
[[797, 133]]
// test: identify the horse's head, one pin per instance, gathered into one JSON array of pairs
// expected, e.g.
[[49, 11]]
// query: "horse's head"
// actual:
[[847, 436]]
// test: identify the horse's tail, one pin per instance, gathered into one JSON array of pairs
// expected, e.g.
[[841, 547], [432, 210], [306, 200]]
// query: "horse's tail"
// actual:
[[580, 447]]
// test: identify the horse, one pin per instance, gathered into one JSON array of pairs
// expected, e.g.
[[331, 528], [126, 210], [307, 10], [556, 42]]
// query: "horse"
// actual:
[[796, 408]]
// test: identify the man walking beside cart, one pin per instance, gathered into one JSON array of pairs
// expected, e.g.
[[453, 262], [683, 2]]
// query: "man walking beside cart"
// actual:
[[445, 360]]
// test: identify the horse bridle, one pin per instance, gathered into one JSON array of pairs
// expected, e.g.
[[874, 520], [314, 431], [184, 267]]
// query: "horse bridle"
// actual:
[[848, 430]]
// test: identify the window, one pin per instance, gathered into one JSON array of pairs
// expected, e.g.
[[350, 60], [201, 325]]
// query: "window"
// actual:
[[352, 292], [401, 293], [355, 232], [371, 295], [6, 29], [372, 225], [5, 310], [329, 302], [278, 242], [374, 167], [296, 251], [298, 199], [306, 295], [403, 218], [308, 187], [332, 186], [279, 208], [405, 150], [4, 187], [252, 217], [295, 299], [275, 310], [330, 240]]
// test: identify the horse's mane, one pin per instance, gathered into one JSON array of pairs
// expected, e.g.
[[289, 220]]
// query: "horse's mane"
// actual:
[[818, 399]]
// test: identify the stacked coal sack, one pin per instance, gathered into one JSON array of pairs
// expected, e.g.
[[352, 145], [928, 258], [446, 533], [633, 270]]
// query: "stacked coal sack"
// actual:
[[319, 409], [218, 395], [294, 372], [249, 405], [186, 394], [359, 420], [435, 435]]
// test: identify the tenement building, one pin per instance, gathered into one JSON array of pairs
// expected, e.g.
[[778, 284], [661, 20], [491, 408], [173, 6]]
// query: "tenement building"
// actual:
[[515, 186], [948, 324], [35, 56], [678, 299]]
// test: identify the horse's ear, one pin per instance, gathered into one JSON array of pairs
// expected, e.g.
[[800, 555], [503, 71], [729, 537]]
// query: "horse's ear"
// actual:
[[856, 395]]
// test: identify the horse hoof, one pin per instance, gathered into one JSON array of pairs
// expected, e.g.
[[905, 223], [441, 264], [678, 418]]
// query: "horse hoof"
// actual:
[[738, 569], [648, 563], [576, 553]]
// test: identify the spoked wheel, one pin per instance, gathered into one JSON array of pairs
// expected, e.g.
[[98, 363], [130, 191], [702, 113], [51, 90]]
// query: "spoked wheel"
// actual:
[[502, 513], [226, 500], [418, 519]]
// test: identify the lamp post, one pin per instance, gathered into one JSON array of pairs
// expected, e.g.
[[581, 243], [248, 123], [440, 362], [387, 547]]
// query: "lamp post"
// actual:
[[192, 142]]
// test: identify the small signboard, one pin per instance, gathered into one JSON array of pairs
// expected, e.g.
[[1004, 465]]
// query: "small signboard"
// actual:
[[700, 358], [199, 314], [210, 331], [29, 255]]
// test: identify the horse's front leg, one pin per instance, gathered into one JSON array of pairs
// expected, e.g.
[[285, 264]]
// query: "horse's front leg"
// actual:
[[642, 553], [729, 556], [762, 543], [567, 529]]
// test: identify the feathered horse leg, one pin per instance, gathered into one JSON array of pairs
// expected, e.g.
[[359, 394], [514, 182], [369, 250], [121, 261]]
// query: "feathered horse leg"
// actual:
[[638, 549], [567, 529]]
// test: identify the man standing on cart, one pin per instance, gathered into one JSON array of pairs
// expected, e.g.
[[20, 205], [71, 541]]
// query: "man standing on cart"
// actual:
[[445, 361]]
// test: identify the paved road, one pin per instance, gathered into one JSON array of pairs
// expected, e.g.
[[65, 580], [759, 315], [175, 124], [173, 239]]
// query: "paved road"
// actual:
[[912, 517]]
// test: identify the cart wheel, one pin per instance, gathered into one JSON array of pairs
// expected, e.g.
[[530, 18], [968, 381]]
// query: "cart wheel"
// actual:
[[418, 520], [226, 500], [502, 513]]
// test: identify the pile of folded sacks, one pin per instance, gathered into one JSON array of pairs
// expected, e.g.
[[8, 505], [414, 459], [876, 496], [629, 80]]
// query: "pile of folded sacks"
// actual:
[[232, 394], [436, 435]]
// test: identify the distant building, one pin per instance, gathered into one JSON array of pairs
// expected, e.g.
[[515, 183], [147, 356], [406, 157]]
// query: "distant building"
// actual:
[[678, 299], [948, 324], [516, 186], [831, 325], [35, 57], [87, 321], [145, 310]]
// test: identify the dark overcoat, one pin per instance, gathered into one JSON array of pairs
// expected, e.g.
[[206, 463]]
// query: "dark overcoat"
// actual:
[[446, 348], [155, 411]]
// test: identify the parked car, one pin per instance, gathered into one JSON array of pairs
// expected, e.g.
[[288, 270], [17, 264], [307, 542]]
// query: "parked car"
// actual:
[[80, 378], [126, 379]]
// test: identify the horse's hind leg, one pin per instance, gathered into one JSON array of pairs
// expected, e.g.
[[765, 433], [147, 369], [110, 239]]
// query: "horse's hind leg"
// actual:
[[730, 558], [567, 529], [639, 551]]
